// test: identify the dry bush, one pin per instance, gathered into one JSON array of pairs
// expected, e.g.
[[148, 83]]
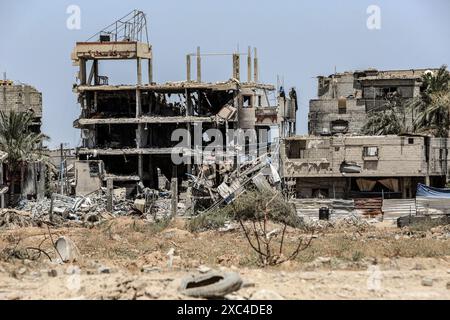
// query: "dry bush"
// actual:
[[261, 209]]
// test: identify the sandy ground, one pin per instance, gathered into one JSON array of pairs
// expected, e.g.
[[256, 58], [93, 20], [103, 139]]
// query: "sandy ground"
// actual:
[[127, 260]]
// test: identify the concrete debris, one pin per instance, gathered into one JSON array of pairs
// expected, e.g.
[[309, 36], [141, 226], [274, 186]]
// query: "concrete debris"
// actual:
[[11, 218], [207, 190], [339, 222], [67, 250], [203, 269], [427, 282], [91, 208]]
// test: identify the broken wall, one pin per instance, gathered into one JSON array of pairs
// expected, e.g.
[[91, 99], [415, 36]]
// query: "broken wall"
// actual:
[[88, 176]]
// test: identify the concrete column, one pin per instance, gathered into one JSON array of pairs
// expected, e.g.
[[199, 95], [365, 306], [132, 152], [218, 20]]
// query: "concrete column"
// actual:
[[150, 70], [139, 70], [138, 103], [249, 65], [82, 73], [255, 67], [199, 65], [236, 67], [188, 67], [109, 195], [141, 166], [174, 190], [95, 68]]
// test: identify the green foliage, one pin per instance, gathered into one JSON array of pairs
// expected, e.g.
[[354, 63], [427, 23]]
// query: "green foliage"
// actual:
[[254, 205], [431, 109], [210, 221], [21, 144], [386, 122], [250, 206]]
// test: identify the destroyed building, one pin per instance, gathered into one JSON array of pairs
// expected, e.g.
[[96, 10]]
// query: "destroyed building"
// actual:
[[345, 99], [21, 98], [126, 129], [337, 161]]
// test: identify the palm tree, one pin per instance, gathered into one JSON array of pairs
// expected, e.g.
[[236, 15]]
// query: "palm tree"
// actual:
[[431, 111], [388, 119], [21, 144]]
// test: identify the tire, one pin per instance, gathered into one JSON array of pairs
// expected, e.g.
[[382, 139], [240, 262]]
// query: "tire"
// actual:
[[210, 285]]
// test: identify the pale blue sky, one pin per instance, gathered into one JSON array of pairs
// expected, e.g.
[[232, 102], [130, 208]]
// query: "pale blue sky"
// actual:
[[297, 40]]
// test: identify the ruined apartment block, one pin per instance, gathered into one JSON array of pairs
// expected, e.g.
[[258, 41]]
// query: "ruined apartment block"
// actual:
[[128, 128], [345, 99]]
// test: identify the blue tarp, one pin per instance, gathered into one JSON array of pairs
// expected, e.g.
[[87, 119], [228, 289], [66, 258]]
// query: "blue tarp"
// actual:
[[430, 192]]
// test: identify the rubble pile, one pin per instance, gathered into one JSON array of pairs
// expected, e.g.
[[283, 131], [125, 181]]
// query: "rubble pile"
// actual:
[[75, 208], [10, 218], [337, 222]]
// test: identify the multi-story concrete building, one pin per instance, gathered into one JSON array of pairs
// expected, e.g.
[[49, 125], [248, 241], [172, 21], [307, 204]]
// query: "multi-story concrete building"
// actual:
[[129, 127], [345, 99], [363, 166]]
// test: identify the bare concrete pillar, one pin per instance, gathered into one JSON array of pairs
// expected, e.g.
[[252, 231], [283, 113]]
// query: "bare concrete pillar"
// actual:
[[95, 69], [138, 103], [109, 195], [199, 65], [236, 66], [255, 66], [139, 70], [188, 67], [174, 190], [141, 166], [82, 73], [249, 65], [150, 70]]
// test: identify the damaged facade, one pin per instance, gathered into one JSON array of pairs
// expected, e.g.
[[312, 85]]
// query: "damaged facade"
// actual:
[[23, 98], [128, 128], [363, 166], [337, 161], [345, 99]]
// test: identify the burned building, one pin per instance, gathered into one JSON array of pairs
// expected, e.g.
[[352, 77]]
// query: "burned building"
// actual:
[[345, 99], [129, 127], [21, 98]]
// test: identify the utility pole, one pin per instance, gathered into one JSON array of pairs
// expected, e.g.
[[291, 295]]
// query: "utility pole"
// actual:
[[61, 170]]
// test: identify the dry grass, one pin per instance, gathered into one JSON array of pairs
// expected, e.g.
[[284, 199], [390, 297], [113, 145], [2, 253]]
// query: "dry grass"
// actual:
[[128, 243]]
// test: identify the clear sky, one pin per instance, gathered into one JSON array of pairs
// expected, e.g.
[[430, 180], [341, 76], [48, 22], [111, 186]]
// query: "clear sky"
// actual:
[[297, 40]]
